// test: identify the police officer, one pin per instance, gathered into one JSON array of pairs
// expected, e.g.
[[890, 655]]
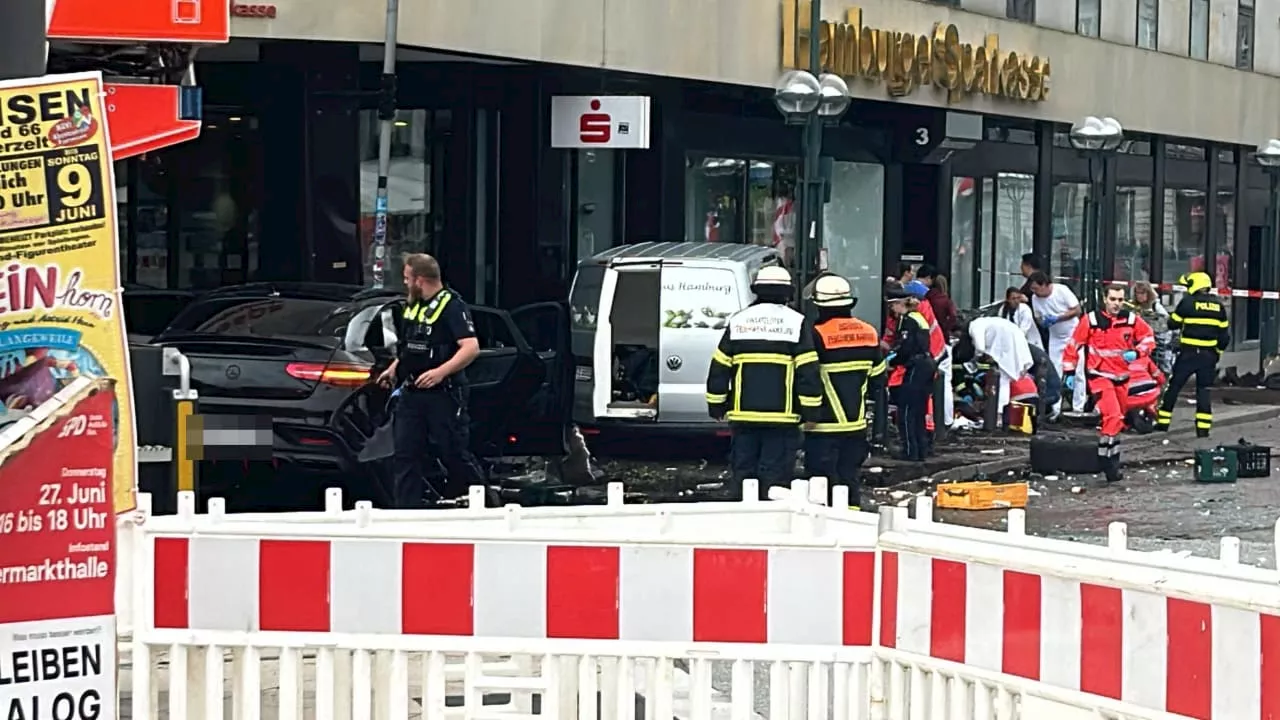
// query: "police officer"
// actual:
[[764, 380], [911, 352], [1202, 319], [849, 356], [437, 343]]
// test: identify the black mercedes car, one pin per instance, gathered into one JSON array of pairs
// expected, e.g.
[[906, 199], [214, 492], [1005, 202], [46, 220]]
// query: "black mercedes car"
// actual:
[[299, 359]]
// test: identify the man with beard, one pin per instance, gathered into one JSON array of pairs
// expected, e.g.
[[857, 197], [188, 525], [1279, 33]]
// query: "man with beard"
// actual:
[[437, 343]]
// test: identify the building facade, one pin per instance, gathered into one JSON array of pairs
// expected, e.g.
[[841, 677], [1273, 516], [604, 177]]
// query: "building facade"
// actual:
[[955, 148]]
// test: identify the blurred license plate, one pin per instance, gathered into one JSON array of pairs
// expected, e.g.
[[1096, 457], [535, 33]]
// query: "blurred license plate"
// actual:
[[583, 372]]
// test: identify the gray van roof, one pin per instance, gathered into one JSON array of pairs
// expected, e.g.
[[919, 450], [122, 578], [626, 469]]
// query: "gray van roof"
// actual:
[[731, 252]]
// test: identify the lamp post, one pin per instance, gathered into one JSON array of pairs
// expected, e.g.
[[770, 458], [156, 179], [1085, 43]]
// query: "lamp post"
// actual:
[[1095, 138], [1268, 157], [812, 99]]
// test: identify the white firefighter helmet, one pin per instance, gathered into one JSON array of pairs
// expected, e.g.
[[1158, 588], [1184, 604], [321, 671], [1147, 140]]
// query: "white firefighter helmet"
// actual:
[[832, 291], [772, 276]]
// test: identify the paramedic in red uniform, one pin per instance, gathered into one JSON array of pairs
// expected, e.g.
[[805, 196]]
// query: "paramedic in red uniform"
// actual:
[[1110, 340]]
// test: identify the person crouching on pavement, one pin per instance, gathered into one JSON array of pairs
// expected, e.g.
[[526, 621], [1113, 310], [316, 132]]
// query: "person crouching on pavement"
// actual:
[[849, 359], [764, 380], [1109, 340], [910, 351]]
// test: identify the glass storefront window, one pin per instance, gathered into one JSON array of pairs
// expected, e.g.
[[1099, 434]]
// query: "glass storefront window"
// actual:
[[1014, 231], [417, 143], [1184, 232], [121, 171], [739, 200], [853, 227], [1071, 208], [151, 215], [1133, 234], [964, 261], [217, 218], [990, 231]]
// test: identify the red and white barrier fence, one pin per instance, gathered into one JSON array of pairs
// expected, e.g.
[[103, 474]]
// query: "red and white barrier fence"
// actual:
[[807, 606]]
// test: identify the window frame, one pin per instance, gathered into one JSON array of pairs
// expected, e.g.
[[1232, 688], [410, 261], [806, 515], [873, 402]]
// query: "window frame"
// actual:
[[1245, 51], [1021, 10], [1155, 29], [1098, 14], [1191, 29]]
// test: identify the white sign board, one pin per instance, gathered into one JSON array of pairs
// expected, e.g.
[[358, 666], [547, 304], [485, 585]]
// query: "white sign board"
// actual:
[[617, 122]]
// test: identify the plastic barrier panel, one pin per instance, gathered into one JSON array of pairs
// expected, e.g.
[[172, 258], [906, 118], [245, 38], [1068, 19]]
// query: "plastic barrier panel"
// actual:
[[1191, 636]]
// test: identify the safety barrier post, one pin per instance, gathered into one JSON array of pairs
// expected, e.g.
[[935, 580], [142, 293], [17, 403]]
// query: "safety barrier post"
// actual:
[[187, 432]]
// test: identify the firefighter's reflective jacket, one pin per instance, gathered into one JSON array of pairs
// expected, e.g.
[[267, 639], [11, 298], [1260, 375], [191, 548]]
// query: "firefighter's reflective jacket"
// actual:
[[1203, 322], [765, 370], [1105, 338], [849, 356]]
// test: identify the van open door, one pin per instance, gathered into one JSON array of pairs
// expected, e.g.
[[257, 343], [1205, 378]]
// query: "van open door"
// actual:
[[625, 356]]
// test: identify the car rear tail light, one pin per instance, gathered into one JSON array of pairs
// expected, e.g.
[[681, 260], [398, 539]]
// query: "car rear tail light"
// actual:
[[336, 374]]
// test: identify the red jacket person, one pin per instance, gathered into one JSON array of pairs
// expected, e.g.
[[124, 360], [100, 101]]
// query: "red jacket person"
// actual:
[[1110, 340]]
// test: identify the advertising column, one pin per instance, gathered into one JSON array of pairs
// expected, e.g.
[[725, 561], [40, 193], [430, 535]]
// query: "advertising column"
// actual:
[[60, 314], [57, 559]]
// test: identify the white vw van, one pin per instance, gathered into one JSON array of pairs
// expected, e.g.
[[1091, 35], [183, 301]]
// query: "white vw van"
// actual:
[[646, 319]]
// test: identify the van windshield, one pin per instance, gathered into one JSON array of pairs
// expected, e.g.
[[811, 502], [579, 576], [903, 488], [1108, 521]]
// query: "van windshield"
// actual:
[[584, 300]]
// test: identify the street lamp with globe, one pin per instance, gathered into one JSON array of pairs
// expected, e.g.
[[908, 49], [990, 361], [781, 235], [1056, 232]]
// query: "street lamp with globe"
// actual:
[[1096, 139], [1268, 158], [811, 100]]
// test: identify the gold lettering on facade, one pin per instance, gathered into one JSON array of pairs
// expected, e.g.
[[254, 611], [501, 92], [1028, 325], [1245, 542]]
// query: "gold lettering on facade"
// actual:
[[906, 62]]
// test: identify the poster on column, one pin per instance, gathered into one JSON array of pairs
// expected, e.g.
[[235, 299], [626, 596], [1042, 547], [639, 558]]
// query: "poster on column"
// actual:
[[60, 304], [57, 558]]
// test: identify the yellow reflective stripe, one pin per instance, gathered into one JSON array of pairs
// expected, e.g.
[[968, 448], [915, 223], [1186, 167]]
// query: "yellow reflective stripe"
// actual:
[[838, 427], [919, 318], [1164, 413], [758, 416], [811, 400], [1211, 322], [806, 358], [879, 368], [717, 399], [1175, 317], [1199, 343], [722, 358], [850, 366], [435, 314], [778, 358], [837, 408], [1204, 416]]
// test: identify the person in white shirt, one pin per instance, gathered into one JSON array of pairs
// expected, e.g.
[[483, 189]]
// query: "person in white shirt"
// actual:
[[1016, 311], [1057, 309]]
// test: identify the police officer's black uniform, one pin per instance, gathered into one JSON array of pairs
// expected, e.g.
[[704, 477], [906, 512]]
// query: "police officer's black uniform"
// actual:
[[434, 419], [849, 356], [1202, 318], [764, 380], [911, 350]]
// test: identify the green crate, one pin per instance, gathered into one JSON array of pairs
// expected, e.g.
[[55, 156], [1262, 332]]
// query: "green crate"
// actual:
[[1219, 465]]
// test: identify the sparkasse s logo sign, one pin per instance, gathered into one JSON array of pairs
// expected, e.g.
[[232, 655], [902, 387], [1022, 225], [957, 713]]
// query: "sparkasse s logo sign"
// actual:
[[595, 127], [600, 121]]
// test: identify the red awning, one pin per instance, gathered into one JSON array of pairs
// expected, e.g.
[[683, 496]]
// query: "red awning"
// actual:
[[145, 118]]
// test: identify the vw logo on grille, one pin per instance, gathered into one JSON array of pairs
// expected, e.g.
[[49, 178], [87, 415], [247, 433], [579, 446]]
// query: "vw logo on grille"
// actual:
[[233, 372], [674, 362]]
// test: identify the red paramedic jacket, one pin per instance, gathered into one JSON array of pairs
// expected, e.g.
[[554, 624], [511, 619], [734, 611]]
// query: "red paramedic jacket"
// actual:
[[1106, 338], [937, 339]]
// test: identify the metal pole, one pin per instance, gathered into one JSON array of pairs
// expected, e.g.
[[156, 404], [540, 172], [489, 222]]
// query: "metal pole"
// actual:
[[809, 221], [1270, 333], [1093, 253], [22, 39], [387, 116]]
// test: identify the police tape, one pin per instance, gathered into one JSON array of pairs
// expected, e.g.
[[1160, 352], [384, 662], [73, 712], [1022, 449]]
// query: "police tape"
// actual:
[[1174, 287]]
